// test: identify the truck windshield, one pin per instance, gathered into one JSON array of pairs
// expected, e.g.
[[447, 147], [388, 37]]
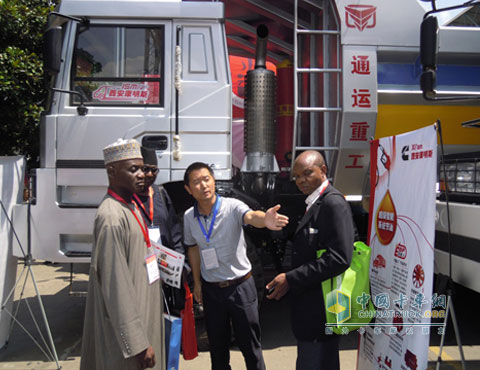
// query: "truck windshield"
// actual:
[[119, 65]]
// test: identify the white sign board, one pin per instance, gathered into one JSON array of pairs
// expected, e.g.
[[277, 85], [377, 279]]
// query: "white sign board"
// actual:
[[12, 174], [401, 235]]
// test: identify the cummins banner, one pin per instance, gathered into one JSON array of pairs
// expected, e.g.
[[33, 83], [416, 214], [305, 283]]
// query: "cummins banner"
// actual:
[[401, 235]]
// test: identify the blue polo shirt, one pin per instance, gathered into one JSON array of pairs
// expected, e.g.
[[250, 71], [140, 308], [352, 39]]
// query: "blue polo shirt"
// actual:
[[226, 238]]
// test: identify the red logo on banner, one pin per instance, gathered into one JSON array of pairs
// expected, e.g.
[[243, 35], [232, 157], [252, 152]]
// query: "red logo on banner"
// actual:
[[401, 251], [360, 16], [361, 98], [411, 360], [418, 276], [361, 65], [379, 262], [386, 219], [398, 323], [359, 131]]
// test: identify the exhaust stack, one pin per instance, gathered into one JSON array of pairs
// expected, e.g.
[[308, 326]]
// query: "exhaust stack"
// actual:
[[260, 113]]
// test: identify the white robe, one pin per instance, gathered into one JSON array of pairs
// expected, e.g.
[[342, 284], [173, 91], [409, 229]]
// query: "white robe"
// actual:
[[123, 314]]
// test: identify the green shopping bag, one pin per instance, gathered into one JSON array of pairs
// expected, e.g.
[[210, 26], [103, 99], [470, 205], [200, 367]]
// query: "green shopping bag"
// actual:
[[348, 303]]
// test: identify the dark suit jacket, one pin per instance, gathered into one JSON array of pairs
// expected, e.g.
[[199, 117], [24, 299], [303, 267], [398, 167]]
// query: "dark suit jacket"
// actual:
[[165, 217], [328, 224]]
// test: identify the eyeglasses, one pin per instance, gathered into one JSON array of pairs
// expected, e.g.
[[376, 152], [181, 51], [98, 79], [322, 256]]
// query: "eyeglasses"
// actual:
[[153, 170]]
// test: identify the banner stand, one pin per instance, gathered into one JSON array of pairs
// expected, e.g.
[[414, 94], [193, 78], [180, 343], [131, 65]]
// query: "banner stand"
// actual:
[[49, 351], [403, 177], [438, 126]]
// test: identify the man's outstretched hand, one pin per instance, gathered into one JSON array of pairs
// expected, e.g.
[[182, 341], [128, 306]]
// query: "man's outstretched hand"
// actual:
[[275, 221]]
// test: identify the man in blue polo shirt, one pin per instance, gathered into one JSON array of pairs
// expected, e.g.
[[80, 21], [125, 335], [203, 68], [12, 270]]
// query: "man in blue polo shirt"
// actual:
[[221, 270]]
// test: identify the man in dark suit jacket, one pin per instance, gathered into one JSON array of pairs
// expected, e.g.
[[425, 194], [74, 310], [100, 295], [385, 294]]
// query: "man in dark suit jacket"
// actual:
[[326, 225]]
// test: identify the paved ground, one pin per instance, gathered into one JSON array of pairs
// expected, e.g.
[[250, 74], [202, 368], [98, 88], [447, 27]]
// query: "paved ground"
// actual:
[[65, 315]]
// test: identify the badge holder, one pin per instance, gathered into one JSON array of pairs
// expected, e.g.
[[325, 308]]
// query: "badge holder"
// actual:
[[47, 349]]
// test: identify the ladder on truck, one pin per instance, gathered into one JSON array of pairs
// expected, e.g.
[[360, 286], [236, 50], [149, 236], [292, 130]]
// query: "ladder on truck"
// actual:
[[316, 123]]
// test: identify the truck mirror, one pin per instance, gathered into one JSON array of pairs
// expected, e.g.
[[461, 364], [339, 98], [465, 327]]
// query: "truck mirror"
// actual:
[[428, 43], [427, 84], [52, 48]]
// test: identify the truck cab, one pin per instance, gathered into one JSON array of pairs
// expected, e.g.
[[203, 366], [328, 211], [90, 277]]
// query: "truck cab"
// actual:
[[113, 76]]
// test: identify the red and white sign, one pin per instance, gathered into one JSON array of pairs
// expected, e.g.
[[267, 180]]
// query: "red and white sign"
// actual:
[[359, 95], [355, 158], [128, 91], [360, 81], [402, 219], [360, 64], [380, 22], [361, 98], [400, 251], [359, 131]]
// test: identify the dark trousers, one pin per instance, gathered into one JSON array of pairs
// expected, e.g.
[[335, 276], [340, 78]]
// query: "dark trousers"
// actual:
[[236, 304], [318, 355]]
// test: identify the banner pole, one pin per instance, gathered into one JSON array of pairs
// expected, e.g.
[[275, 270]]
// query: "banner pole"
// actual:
[[438, 125], [50, 353]]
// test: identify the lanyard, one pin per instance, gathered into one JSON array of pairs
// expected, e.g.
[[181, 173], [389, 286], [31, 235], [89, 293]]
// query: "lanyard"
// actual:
[[320, 192], [144, 230], [140, 203], [216, 206]]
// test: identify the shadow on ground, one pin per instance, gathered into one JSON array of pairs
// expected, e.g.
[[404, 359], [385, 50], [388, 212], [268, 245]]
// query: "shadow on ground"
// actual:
[[64, 311]]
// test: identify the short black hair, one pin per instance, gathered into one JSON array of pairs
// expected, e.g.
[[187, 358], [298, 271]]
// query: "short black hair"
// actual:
[[194, 167], [149, 156]]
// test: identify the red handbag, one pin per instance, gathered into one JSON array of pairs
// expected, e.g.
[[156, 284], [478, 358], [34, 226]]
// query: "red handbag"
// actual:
[[189, 337]]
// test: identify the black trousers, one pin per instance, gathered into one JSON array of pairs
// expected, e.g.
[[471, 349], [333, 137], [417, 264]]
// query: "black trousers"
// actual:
[[237, 304], [318, 355]]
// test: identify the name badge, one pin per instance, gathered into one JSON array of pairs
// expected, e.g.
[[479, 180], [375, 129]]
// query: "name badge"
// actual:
[[209, 257], [153, 272], [154, 234]]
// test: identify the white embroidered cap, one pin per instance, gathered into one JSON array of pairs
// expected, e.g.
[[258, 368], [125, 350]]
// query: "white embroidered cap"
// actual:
[[122, 149]]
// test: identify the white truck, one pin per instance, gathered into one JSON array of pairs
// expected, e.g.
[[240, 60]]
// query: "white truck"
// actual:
[[457, 243], [117, 60], [113, 68]]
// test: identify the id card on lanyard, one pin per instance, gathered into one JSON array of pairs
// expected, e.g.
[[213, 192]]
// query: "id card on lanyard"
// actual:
[[151, 266], [153, 231], [209, 255]]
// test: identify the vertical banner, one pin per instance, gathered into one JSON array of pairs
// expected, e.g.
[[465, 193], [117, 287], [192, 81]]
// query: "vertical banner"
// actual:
[[12, 175], [401, 235]]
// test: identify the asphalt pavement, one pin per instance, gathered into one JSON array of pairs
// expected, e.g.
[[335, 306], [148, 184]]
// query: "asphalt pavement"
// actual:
[[64, 305]]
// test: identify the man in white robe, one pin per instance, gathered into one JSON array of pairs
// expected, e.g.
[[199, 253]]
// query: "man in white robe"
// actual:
[[123, 326]]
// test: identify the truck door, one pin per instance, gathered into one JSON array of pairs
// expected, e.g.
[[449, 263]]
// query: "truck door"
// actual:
[[121, 72]]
